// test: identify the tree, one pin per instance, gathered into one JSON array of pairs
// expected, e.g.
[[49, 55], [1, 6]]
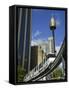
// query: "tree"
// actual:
[[57, 73], [20, 73]]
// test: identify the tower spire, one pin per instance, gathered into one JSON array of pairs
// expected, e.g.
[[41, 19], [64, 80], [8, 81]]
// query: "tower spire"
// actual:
[[52, 28]]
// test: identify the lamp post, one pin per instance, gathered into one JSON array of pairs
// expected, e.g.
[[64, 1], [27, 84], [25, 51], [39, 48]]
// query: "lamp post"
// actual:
[[52, 28]]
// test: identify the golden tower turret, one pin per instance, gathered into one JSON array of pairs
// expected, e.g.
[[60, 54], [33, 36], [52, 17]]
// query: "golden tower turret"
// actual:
[[52, 23]]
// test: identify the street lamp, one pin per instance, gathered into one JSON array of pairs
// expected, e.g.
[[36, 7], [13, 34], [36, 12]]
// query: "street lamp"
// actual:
[[52, 28]]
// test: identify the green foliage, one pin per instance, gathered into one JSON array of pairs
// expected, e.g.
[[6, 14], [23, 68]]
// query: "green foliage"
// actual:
[[21, 73], [57, 73]]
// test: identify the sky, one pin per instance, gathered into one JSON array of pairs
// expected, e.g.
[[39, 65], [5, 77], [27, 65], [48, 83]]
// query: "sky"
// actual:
[[40, 25]]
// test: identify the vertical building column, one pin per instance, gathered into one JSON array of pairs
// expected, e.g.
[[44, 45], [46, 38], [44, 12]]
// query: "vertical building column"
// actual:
[[19, 30], [19, 25], [24, 38], [23, 58], [30, 24]]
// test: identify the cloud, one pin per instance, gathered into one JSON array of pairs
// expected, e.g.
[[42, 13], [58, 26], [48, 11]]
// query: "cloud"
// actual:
[[33, 43], [38, 42], [57, 23], [61, 65], [58, 47], [37, 33]]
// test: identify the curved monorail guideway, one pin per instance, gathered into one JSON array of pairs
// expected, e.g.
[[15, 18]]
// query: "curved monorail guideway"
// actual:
[[46, 69], [42, 44]]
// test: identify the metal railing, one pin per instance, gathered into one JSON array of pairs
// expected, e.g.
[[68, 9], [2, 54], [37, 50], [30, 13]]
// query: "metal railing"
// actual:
[[45, 66]]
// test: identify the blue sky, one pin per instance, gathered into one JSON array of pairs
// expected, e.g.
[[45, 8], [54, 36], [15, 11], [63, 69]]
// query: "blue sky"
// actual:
[[40, 24]]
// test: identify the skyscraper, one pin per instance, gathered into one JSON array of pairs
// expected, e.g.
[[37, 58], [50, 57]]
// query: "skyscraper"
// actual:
[[24, 37], [44, 46], [37, 56], [50, 45]]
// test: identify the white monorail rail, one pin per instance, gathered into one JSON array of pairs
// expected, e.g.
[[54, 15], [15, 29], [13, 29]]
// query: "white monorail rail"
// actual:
[[33, 75]]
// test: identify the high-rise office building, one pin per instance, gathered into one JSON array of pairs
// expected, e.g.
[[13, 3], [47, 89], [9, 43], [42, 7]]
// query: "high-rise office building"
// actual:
[[37, 56], [24, 37], [44, 46], [50, 45]]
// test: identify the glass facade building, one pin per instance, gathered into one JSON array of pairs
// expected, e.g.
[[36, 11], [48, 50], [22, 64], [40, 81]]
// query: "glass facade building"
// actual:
[[24, 37]]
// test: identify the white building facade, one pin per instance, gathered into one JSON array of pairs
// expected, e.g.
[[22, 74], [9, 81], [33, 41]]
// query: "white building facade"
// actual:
[[50, 45]]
